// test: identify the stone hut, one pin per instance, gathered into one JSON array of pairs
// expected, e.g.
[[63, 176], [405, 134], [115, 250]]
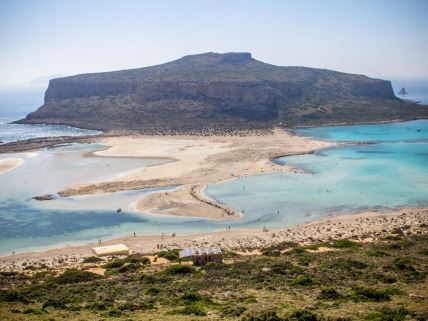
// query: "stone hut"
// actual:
[[202, 255]]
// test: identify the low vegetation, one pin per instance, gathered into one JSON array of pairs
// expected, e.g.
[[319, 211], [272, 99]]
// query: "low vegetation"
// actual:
[[380, 281]]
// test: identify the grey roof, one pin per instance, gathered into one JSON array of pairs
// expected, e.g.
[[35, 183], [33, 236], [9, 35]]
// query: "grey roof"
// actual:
[[194, 251]]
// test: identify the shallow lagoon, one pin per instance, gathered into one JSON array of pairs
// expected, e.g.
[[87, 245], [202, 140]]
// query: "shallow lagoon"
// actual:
[[27, 224], [391, 173]]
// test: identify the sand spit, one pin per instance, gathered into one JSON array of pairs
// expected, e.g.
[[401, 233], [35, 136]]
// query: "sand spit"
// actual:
[[363, 227], [199, 160], [9, 164]]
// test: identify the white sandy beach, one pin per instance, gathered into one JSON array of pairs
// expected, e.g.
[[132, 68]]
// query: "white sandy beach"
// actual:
[[363, 227], [9, 164], [198, 160]]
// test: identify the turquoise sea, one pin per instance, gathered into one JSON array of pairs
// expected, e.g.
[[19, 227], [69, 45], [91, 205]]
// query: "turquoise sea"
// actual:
[[381, 166], [389, 172]]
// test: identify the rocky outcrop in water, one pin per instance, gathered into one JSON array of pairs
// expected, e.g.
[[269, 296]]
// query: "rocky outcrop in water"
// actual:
[[218, 92]]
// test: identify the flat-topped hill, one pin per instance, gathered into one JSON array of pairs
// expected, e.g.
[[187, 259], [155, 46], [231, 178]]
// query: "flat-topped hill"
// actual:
[[219, 92]]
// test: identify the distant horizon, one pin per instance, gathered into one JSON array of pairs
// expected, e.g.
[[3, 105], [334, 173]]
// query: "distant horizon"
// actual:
[[40, 83]]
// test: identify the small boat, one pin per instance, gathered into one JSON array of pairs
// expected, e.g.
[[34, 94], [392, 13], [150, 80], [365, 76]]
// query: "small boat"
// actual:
[[119, 210]]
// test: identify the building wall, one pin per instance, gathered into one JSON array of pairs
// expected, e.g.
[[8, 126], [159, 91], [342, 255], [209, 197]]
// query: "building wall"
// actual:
[[200, 260]]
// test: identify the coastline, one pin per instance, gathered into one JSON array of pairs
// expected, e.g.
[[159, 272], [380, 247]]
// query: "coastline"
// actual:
[[217, 157], [365, 226], [398, 120]]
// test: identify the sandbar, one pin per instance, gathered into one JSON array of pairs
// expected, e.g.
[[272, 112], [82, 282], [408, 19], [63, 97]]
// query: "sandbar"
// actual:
[[197, 161], [9, 164]]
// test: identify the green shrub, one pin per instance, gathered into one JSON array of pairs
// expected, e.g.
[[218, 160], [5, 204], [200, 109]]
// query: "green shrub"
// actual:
[[114, 312], [170, 255], [134, 306], [92, 259], [230, 254], [388, 314], [347, 264], [137, 258], [57, 303], [114, 264], [145, 260], [302, 315], [75, 276], [329, 293], [179, 269], [10, 273], [232, 310], [213, 266], [285, 268], [34, 311], [376, 253], [272, 253], [303, 280], [152, 291], [192, 309], [297, 250], [344, 244], [191, 297], [12, 296], [130, 263], [280, 246], [384, 278], [371, 294], [304, 260], [403, 264], [130, 267], [248, 299], [261, 316]]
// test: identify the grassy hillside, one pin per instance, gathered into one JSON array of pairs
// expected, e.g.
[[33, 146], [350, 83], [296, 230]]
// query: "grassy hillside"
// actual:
[[340, 280]]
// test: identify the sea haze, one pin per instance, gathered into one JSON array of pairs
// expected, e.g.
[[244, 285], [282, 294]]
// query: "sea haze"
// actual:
[[16, 105]]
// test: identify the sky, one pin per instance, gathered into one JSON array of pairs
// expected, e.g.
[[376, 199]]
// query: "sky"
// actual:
[[40, 39]]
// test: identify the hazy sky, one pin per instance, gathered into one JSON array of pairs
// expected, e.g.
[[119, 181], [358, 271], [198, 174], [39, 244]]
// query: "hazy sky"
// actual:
[[379, 38]]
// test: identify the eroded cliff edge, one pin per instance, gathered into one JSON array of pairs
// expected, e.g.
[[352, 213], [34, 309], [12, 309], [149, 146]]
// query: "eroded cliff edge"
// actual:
[[214, 91]]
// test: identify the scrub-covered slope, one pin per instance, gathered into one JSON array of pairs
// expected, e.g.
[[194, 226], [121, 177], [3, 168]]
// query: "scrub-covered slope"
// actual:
[[218, 91]]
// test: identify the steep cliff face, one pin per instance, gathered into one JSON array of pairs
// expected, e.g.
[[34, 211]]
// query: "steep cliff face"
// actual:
[[221, 91]]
